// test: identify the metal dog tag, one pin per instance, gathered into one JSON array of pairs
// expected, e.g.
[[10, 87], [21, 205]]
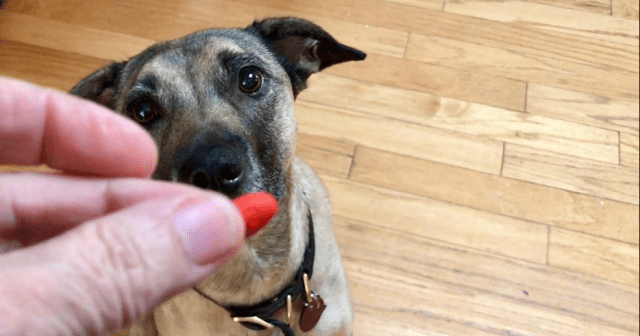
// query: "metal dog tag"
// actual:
[[311, 312]]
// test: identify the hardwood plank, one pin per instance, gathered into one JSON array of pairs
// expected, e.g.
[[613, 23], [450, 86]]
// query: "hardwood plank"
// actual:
[[60, 36], [338, 146], [629, 150], [508, 36], [571, 173], [433, 4], [169, 22], [529, 67], [597, 256], [594, 6], [542, 16], [625, 9], [425, 287], [437, 80], [324, 161], [582, 108], [446, 82], [470, 118], [410, 139], [439, 220], [44, 66], [500, 195], [378, 67]]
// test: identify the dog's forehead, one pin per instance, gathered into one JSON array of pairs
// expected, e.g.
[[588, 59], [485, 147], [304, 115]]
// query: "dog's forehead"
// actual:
[[205, 51]]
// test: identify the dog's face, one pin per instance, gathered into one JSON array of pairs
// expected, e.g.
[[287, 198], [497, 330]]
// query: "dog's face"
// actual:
[[219, 103]]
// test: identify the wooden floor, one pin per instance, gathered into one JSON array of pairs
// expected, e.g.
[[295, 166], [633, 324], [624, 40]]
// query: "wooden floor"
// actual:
[[482, 162]]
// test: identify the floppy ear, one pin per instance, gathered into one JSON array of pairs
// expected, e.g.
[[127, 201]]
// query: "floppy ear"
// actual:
[[100, 86], [303, 47]]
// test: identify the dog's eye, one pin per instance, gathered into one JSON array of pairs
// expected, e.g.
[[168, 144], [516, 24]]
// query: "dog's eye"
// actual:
[[142, 112], [250, 80]]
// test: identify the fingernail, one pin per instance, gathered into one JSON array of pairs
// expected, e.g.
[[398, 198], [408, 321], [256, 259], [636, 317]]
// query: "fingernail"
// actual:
[[210, 230]]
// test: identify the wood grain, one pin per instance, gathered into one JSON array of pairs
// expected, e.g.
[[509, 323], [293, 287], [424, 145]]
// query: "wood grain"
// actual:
[[439, 220], [44, 66], [594, 6], [574, 22], [625, 9], [582, 108], [160, 25], [629, 150], [528, 66], [608, 181], [512, 37], [500, 195], [587, 254], [322, 160], [460, 116], [416, 284], [412, 141], [339, 146], [421, 141], [55, 35], [441, 81]]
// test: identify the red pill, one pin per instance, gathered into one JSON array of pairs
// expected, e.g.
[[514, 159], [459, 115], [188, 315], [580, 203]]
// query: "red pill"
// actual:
[[256, 210]]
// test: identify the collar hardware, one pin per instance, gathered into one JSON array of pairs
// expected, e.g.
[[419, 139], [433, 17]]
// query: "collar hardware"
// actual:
[[253, 323], [258, 317]]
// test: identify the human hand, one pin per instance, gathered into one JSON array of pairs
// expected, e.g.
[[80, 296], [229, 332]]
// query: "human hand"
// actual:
[[98, 247]]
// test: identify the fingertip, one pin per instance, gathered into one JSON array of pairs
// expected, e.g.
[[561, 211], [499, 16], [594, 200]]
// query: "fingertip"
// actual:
[[211, 229]]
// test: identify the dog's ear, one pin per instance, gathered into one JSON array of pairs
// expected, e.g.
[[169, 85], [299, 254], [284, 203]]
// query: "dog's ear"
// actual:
[[303, 48], [100, 86]]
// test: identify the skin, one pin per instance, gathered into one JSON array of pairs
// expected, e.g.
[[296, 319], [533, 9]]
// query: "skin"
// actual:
[[77, 249]]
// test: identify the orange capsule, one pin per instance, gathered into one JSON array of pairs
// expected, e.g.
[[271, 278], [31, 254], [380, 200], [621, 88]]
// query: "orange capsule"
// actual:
[[256, 210]]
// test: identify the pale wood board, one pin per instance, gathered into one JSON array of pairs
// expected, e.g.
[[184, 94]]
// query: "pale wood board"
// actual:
[[594, 6], [505, 35], [439, 145], [415, 284], [56, 35], [629, 150], [439, 220], [411, 144], [161, 25], [324, 161], [531, 67], [339, 146], [44, 66], [587, 254], [574, 22], [433, 4], [571, 173], [461, 116], [501, 195], [582, 108], [625, 8], [446, 82]]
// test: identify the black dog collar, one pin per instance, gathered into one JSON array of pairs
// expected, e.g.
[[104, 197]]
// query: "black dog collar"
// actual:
[[259, 316]]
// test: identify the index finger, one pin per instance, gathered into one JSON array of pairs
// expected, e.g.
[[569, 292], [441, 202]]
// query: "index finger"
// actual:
[[39, 125]]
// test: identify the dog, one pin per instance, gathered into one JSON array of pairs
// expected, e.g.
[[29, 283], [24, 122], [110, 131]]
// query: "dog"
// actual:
[[219, 104]]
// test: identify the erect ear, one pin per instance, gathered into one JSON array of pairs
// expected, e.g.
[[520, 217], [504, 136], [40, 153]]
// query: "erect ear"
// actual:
[[303, 47], [100, 86]]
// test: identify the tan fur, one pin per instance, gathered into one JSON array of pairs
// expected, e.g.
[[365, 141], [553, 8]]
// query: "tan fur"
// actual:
[[189, 82]]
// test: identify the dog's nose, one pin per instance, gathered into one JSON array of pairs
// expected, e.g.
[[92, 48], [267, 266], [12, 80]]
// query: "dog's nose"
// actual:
[[213, 167]]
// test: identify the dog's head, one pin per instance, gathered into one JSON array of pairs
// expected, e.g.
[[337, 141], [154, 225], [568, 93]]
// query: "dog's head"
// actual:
[[219, 103]]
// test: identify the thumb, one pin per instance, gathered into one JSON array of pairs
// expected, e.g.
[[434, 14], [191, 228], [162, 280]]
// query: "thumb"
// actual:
[[110, 271]]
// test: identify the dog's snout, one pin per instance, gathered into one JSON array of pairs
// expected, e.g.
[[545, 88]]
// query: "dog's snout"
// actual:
[[218, 168]]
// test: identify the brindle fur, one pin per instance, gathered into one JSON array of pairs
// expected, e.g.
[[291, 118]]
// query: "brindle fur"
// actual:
[[193, 83]]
